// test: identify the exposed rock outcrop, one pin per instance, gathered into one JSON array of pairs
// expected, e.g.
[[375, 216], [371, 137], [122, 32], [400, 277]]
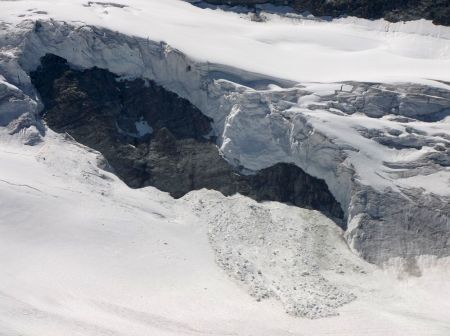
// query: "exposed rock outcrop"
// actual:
[[152, 137], [392, 10]]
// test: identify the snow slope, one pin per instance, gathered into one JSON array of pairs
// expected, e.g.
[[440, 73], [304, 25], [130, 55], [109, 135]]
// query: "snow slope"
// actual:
[[82, 254], [300, 50]]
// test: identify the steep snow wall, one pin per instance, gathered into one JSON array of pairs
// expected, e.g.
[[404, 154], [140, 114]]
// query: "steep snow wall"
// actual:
[[328, 130]]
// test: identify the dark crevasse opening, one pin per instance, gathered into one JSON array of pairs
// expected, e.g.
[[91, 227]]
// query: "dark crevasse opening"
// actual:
[[152, 137]]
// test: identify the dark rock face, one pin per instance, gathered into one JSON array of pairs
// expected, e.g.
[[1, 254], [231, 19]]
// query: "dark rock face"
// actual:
[[392, 10], [175, 153]]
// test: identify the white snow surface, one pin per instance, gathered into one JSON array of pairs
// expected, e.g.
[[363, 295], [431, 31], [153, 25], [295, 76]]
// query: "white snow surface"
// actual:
[[82, 254], [297, 49]]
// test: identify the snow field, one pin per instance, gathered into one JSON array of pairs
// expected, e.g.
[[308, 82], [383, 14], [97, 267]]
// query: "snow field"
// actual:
[[81, 253]]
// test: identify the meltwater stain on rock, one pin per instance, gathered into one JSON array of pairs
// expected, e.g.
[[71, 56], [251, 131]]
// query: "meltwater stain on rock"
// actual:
[[152, 137]]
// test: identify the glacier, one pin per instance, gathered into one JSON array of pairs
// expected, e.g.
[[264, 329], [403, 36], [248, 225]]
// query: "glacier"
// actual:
[[260, 120], [364, 105]]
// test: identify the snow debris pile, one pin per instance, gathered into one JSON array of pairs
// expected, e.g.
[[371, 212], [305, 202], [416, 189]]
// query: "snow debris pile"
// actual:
[[276, 251]]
